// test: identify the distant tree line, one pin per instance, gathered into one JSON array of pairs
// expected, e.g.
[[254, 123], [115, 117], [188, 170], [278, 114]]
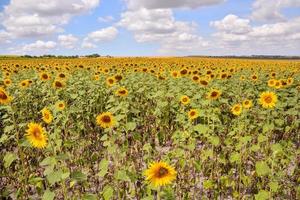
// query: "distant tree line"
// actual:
[[95, 55], [253, 57]]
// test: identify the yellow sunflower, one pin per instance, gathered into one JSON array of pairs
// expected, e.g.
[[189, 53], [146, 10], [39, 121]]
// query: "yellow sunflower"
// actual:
[[44, 76], [36, 135], [175, 74], [290, 81], [213, 94], [110, 81], [185, 100], [203, 82], [268, 99], [160, 174], [236, 109], [105, 120], [58, 84], [193, 114], [4, 97], [47, 116], [277, 84], [24, 84], [60, 105], [271, 82], [247, 104], [7, 82], [122, 92]]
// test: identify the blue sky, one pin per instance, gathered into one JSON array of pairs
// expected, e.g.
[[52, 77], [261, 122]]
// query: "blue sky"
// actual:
[[150, 27]]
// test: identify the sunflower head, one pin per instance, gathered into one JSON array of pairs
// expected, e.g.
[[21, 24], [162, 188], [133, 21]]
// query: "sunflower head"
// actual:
[[60, 105], [7, 82], [290, 81], [185, 100], [47, 116], [45, 76], [57, 84], [36, 135], [24, 84], [203, 82], [213, 94], [160, 174], [278, 84], [268, 99], [122, 92], [175, 74], [193, 114], [110, 81], [4, 97], [236, 109], [247, 104], [105, 120], [271, 82]]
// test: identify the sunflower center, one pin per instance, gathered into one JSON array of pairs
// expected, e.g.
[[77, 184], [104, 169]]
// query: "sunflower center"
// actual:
[[122, 92], [58, 84], [246, 102], [203, 82], [45, 76], [193, 113], [3, 95], [268, 99], [214, 94], [195, 78], [106, 119], [162, 172], [61, 105], [110, 81], [184, 100], [62, 75], [37, 134], [237, 108]]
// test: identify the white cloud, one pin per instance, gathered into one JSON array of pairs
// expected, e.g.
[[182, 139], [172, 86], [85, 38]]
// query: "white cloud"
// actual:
[[38, 47], [31, 18], [88, 45], [263, 38], [266, 10], [155, 4], [106, 19], [102, 35], [159, 25], [4, 37], [68, 41]]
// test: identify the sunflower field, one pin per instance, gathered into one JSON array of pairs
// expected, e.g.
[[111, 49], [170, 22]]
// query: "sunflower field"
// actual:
[[149, 129]]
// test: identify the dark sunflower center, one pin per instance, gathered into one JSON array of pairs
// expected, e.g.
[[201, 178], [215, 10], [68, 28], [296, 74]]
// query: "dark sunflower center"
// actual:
[[37, 134], [183, 72], [254, 77], [118, 77], [122, 92], [268, 99], [193, 113], [246, 102], [45, 76], [184, 100], [203, 82], [162, 172], [214, 94], [224, 75], [195, 78], [111, 81], [237, 108], [106, 119], [3, 95], [61, 105], [62, 75], [58, 84], [23, 84]]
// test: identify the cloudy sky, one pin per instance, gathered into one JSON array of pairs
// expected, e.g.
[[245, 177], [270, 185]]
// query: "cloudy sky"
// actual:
[[150, 27]]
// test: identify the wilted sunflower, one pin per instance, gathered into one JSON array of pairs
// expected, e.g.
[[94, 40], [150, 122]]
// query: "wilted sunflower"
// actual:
[[60, 105], [213, 94], [160, 174], [247, 104], [105, 120], [110, 81], [4, 97], [268, 99], [184, 100], [36, 135], [236, 109], [47, 116], [122, 92], [193, 114], [57, 84]]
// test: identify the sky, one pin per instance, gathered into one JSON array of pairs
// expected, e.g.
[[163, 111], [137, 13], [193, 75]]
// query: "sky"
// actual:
[[150, 27]]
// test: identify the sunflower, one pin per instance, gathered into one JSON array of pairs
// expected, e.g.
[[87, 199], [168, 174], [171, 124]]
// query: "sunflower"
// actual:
[[271, 82], [60, 105], [24, 84], [213, 94], [105, 120], [193, 114], [57, 84], [203, 82], [268, 99], [122, 92], [44, 76], [61, 76], [47, 116], [184, 100], [195, 78], [247, 104], [175, 74], [290, 81], [96, 77], [7, 82], [4, 97], [160, 174], [118, 77], [277, 84], [110, 81], [236, 109], [242, 78], [254, 77], [36, 135]]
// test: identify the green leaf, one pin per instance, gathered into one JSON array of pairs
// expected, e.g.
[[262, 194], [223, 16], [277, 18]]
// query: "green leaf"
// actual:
[[121, 175], [54, 177], [9, 158], [262, 168], [89, 196], [148, 198], [201, 128], [103, 167], [78, 176], [274, 186], [130, 126], [107, 192], [262, 195], [262, 138], [214, 140], [208, 184], [8, 129], [235, 157], [48, 161], [48, 195]]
